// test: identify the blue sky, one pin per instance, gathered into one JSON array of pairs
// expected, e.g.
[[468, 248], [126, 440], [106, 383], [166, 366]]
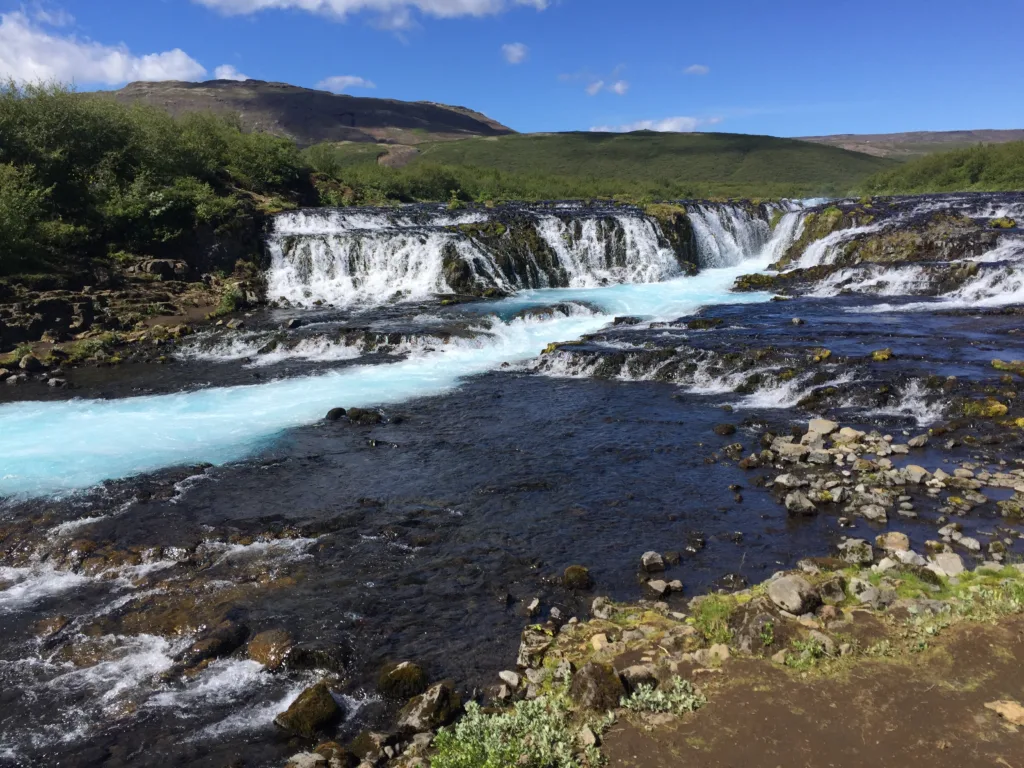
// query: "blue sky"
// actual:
[[785, 68]]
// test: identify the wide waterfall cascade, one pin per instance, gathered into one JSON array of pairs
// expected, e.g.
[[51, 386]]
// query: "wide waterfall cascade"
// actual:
[[349, 258]]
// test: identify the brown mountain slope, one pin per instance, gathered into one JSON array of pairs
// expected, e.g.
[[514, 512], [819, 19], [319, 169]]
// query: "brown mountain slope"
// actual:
[[916, 143], [310, 116]]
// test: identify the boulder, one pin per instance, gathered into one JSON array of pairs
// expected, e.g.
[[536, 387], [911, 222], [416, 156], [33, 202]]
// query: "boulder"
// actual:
[[639, 674], [915, 474], [534, 644], [314, 710], [794, 594], [335, 414], [873, 512], [797, 503], [652, 562], [918, 442], [893, 542], [948, 564], [658, 588], [792, 451], [318, 655], [724, 430], [602, 608], [364, 417], [857, 552], [577, 577], [402, 680], [31, 364], [222, 640], [432, 709], [270, 648], [823, 427], [597, 687]]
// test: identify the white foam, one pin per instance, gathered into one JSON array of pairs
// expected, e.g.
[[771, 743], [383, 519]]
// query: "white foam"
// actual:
[[35, 584], [913, 403]]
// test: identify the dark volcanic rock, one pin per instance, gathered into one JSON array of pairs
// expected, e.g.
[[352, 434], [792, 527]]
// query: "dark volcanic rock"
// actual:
[[431, 710], [314, 710], [402, 680], [597, 687]]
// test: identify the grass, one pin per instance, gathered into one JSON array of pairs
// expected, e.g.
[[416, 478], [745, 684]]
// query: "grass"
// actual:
[[711, 618], [669, 165]]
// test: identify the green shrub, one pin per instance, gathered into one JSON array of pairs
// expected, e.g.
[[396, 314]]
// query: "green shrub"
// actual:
[[534, 734], [679, 699], [712, 618]]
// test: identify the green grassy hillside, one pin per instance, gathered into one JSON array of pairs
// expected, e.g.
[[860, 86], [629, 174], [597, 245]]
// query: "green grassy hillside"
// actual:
[[988, 168], [669, 165]]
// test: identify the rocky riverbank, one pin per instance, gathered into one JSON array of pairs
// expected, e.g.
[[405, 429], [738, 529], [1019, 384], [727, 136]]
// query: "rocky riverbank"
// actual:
[[641, 684]]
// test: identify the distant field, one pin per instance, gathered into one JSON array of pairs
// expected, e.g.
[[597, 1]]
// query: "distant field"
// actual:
[[715, 163], [904, 146]]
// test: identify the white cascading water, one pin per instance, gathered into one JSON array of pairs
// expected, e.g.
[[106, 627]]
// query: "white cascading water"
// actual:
[[349, 259], [727, 234]]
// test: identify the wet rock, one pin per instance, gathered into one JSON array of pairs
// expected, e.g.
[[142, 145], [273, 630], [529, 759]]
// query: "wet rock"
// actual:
[[224, 639], [318, 655], [658, 588], [794, 594], [797, 503], [597, 687], [577, 577], [874, 512], [856, 551], [314, 710], [510, 678], [364, 417], [918, 442], [791, 481], [792, 451], [369, 746], [893, 542], [652, 562], [335, 414], [307, 760], [31, 364], [432, 709], [270, 648], [724, 430], [402, 680]]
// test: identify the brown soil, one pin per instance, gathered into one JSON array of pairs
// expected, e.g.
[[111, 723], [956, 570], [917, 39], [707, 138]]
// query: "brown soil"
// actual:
[[927, 710]]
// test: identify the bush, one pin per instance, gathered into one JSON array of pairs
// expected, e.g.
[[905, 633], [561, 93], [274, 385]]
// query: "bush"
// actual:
[[534, 734], [679, 699]]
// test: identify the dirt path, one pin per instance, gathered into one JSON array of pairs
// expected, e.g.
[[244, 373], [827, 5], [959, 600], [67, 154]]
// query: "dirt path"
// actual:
[[927, 710]]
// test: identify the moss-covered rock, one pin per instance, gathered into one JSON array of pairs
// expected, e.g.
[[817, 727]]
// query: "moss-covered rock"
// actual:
[[597, 687], [432, 709], [314, 710], [577, 577], [882, 355], [402, 680]]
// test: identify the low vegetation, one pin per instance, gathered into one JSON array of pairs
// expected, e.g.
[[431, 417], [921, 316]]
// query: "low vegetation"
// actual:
[[985, 168]]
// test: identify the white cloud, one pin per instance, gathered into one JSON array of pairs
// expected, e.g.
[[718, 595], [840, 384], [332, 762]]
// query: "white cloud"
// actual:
[[342, 83], [619, 87], [28, 53], [697, 69], [515, 53], [52, 17], [228, 72], [668, 125], [393, 13]]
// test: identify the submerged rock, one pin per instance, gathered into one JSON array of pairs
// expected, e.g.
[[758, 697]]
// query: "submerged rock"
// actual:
[[577, 577], [270, 648]]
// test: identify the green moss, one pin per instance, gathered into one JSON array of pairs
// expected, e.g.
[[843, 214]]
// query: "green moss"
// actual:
[[1004, 223], [882, 355], [987, 409], [1014, 366]]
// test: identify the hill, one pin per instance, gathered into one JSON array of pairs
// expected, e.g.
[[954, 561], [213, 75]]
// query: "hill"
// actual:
[[916, 143], [308, 116], [668, 164], [988, 168]]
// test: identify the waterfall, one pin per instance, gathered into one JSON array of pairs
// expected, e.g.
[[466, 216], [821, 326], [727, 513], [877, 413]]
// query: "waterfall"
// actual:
[[369, 257], [728, 234]]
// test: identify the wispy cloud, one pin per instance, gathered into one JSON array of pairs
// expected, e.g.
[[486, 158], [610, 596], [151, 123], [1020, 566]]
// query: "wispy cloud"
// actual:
[[515, 53], [619, 87], [343, 83], [697, 69], [392, 14], [30, 53], [228, 72], [666, 125]]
